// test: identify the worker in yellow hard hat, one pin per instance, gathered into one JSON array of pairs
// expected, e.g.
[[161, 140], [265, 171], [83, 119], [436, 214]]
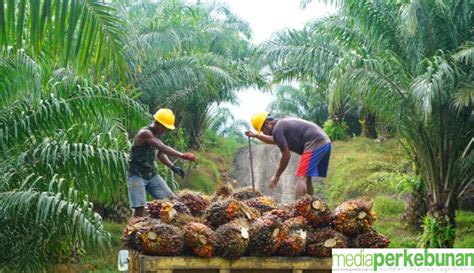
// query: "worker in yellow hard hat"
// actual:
[[299, 136], [146, 148]]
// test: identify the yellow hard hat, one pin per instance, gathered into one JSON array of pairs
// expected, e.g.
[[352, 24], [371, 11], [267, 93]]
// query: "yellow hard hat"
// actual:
[[165, 117], [258, 119]]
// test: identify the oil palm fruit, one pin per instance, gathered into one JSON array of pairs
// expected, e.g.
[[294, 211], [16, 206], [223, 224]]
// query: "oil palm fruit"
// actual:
[[371, 239], [170, 214], [293, 237], [246, 193], [134, 227], [232, 239], [227, 210], [283, 212], [314, 210], [321, 242], [262, 204], [264, 236], [162, 239], [153, 208], [196, 202], [354, 217], [200, 239]]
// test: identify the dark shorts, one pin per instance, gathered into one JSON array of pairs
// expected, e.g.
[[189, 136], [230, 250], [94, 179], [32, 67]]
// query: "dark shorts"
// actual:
[[315, 162]]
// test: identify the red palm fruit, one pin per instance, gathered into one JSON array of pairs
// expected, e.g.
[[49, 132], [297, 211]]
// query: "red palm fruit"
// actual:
[[200, 238]]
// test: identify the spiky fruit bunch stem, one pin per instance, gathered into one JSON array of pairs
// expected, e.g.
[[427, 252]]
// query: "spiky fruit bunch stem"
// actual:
[[293, 237], [372, 239], [232, 239], [354, 217], [264, 237], [322, 241], [315, 211], [200, 238]]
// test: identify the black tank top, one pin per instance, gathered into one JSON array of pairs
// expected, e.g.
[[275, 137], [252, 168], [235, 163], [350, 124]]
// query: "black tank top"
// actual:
[[142, 160]]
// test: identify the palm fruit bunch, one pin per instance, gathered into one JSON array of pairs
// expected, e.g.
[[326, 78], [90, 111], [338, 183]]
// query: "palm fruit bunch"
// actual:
[[153, 208], [246, 193], [200, 239], [314, 210], [134, 227], [371, 239], [227, 210], [161, 239], [283, 212], [196, 202], [223, 191], [262, 204], [172, 214], [354, 217], [264, 236], [321, 242], [293, 237], [232, 239]]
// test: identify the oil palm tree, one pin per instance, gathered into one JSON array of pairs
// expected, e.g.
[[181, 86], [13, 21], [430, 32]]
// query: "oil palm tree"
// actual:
[[60, 144], [190, 57], [412, 63], [84, 35], [307, 102]]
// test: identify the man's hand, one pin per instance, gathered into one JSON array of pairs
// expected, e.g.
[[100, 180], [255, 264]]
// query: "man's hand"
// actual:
[[179, 171], [189, 156], [251, 134], [274, 182]]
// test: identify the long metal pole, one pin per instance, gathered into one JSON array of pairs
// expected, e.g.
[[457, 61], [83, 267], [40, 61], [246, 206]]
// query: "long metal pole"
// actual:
[[251, 164]]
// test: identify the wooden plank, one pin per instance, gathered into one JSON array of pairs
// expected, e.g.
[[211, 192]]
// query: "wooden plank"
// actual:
[[133, 261], [153, 263]]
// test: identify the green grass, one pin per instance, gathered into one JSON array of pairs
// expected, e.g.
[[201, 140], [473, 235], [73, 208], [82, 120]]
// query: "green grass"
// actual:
[[364, 168], [215, 160], [361, 167], [464, 230]]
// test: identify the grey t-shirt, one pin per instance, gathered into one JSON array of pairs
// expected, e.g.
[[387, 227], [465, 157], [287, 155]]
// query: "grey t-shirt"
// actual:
[[298, 135]]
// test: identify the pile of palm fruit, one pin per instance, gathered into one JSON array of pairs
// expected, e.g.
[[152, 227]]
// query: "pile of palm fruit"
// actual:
[[239, 223]]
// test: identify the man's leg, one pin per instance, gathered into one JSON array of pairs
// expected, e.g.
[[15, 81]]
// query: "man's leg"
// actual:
[[301, 187], [309, 186], [136, 195], [158, 188], [139, 212]]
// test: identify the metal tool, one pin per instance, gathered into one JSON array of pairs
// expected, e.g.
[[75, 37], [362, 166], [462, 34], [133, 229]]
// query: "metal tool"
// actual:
[[251, 164]]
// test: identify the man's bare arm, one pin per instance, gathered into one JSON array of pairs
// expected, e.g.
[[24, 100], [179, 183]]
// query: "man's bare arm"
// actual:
[[147, 137], [262, 137], [285, 158], [165, 159]]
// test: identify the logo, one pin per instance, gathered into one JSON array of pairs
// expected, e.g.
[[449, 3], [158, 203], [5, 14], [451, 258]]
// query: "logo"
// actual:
[[403, 260]]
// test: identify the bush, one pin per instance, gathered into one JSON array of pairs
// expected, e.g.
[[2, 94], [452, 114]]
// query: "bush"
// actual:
[[336, 131]]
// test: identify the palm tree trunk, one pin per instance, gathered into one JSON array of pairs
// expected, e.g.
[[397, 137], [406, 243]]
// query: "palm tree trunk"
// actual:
[[368, 126], [417, 207]]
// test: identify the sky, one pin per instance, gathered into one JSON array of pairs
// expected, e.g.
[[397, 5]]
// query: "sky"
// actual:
[[265, 18]]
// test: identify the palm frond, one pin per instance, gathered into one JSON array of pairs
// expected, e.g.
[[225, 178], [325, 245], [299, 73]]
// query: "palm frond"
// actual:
[[34, 222]]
